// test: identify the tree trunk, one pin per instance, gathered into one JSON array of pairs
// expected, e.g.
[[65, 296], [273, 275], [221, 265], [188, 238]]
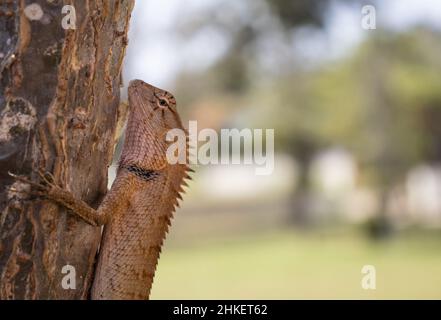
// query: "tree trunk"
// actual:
[[303, 149], [59, 97]]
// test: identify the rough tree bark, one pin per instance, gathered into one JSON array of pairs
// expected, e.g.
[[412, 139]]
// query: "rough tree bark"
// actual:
[[59, 97]]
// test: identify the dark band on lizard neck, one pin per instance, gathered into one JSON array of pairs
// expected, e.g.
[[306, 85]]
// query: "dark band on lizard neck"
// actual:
[[144, 174]]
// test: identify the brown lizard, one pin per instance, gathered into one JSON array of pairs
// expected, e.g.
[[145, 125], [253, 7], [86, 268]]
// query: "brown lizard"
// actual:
[[137, 211]]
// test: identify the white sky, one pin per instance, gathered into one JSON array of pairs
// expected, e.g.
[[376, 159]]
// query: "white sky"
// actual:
[[156, 55]]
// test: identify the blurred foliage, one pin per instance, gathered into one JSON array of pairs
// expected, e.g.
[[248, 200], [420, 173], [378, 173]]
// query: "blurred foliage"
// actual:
[[247, 24], [301, 12], [381, 102]]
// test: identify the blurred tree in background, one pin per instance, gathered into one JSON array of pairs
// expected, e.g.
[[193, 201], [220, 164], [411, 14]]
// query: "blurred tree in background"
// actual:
[[380, 102], [236, 72]]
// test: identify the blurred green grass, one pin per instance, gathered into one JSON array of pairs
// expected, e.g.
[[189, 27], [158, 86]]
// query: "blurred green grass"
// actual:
[[300, 265]]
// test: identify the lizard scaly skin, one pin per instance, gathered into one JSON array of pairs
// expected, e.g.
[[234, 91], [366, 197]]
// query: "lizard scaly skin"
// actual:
[[137, 211]]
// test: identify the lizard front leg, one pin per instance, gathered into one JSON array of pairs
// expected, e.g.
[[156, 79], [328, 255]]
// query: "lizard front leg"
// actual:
[[49, 190]]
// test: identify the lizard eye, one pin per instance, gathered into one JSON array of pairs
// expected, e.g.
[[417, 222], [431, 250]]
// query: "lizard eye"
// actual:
[[163, 102]]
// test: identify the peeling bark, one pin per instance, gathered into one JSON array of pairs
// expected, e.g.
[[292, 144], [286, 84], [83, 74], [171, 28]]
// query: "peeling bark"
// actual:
[[59, 97]]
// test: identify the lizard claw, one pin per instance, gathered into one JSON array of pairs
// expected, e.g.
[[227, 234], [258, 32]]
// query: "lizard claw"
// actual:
[[47, 177], [39, 189], [25, 180]]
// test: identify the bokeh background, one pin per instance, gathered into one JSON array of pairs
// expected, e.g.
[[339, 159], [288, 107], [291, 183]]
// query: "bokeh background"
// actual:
[[357, 119]]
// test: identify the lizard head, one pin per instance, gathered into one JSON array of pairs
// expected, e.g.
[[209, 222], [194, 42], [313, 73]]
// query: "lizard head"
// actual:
[[152, 114], [157, 104]]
